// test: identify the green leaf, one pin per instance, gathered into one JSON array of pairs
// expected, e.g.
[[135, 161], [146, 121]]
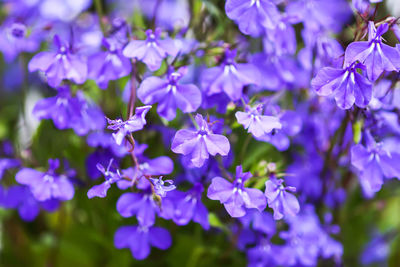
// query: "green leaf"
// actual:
[[215, 221], [357, 127]]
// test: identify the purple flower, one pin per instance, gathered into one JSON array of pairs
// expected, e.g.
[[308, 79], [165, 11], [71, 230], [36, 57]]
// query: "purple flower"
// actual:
[[374, 162], [170, 95], [235, 197], [347, 85], [63, 64], [133, 124], [48, 185], [111, 177], [108, 65], [6, 164], [261, 221], [253, 16], [255, 122], [264, 254], [375, 55], [21, 198], [280, 200], [142, 205], [377, 250], [198, 144], [171, 14], [230, 77], [292, 124], [320, 15], [152, 50], [160, 188], [363, 6], [67, 111], [105, 140], [89, 116], [139, 239], [14, 39], [182, 207], [147, 167]]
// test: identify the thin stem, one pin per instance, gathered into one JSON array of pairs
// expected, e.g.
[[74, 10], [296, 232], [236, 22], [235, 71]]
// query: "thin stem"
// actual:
[[155, 11], [194, 121], [132, 97], [99, 10]]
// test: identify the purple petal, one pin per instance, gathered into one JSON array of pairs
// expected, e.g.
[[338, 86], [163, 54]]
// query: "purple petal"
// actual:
[[160, 238], [220, 189], [217, 144], [99, 190]]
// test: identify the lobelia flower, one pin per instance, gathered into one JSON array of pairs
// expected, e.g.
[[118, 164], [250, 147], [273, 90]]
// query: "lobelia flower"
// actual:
[[198, 144], [160, 188], [139, 239], [235, 197], [21, 198], [170, 14], [182, 207], [67, 111], [90, 117], [306, 241], [230, 77], [253, 16], [375, 55], [280, 200], [321, 14], [347, 85], [363, 6], [147, 167], [48, 185], [142, 205], [152, 50], [169, 94], [264, 253], [256, 123], [14, 39], [374, 162], [292, 124], [282, 38], [376, 250], [133, 124], [108, 65], [111, 177], [60, 65], [261, 221]]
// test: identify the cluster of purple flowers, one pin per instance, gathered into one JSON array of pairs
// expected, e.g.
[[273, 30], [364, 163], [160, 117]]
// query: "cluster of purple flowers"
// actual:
[[210, 99]]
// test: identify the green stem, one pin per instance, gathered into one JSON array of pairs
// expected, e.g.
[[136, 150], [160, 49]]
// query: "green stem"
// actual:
[[99, 10], [194, 121]]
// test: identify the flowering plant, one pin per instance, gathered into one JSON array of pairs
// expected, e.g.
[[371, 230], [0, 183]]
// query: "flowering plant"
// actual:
[[199, 132]]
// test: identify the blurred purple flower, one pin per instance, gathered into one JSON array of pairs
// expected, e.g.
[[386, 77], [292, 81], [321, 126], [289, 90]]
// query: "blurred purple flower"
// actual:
[[105, 66], [152, 50], [60, 65], [48, 185], [253, 16], [139, 239], [230, 77], [235, 197], [256, 123]]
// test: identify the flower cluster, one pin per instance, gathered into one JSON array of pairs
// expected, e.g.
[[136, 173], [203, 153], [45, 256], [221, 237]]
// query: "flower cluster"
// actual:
[[163, 100]]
